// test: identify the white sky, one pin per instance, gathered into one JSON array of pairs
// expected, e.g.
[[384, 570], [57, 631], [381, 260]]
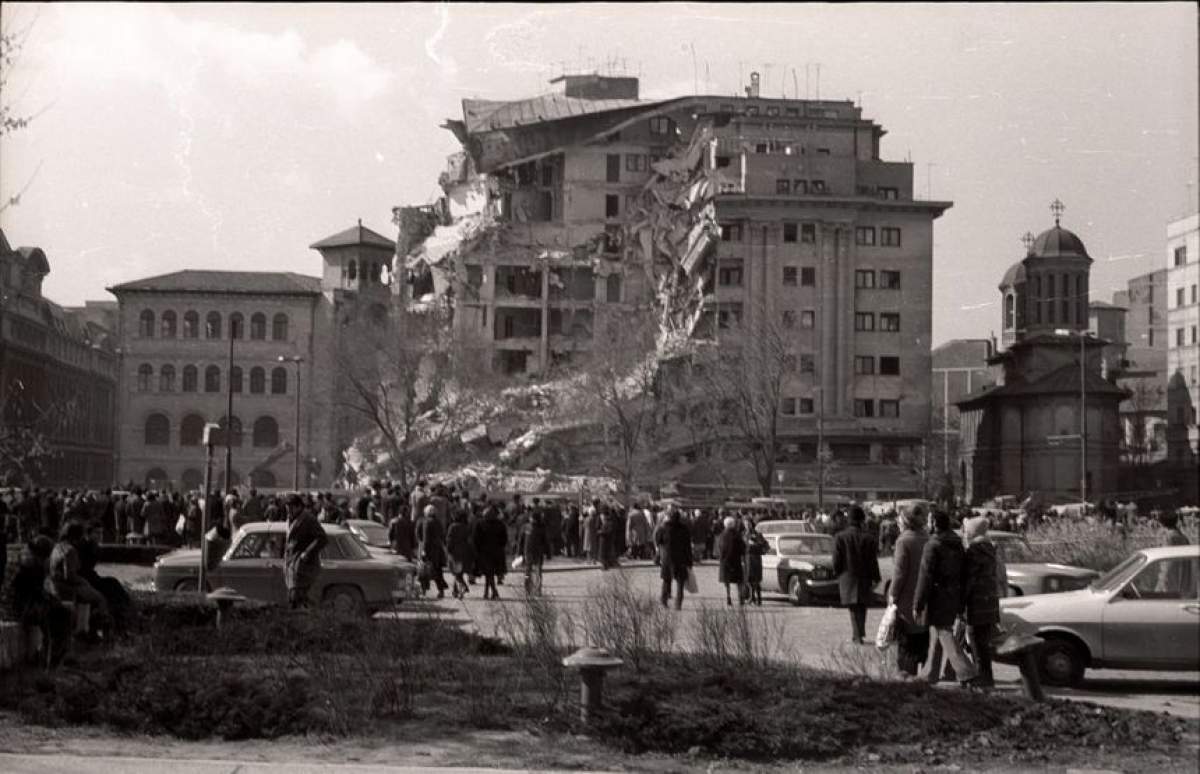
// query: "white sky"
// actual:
[[233, 136]]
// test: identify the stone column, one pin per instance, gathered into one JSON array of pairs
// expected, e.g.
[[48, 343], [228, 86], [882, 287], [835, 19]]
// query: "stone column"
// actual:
[[827, 316]]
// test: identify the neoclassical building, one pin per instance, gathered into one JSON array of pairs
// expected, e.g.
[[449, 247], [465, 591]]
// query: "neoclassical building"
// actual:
[[1023, 435]]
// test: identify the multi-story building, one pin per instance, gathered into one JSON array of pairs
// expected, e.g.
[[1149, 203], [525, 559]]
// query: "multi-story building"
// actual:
[[1183, 328], [959, 369], [58, 374], [1144, 370], [763, 211], [191, 339]]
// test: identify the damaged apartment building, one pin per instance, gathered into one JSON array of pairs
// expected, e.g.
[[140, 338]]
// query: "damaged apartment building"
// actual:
[[565, 210]]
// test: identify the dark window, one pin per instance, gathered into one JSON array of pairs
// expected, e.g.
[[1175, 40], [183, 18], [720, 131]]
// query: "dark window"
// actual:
[[612, 287], [783, 186], [612, 206], [789, 276], [808, 233], [864, 408], [258, 326], [547, 174], [808, 319], [864, 278], [612, 239], [352, 270], [237, 327], [790, 232], [792, 112], [191, 325], [191, 430], [166, 379], [660, 125], [808, 364], [889, 321], [212, 325], [864, 321], [889, 365], [730, 274], [1180, 256], [799, 187], [731, 232], [190, 378], [266, 432], [822, 151], [722, 162], [279, 327], [788, 407], [889, 237], [636, 162], [168, 325], [729, 316], [235, 379], [789, 318], [864, 365], [279, 381], [212, 379], [889, 408], [613, 171], [817, 187], [864, 235], [806, 405], [145, 373], [157, 430], [760, 147], [146, 324], [258, 381], [889, 193], [889, 280]]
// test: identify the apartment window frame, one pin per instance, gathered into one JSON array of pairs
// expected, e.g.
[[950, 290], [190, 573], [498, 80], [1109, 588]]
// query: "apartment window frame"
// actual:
[[783, 186], [808, 363], [816, 187], [660, 125], [728, 271], [864, 322], [806, 406], [864, 236], [808, 319], [864, 279], [636, 162], [612, 206], [788, 318], [612, 167], [1180, 256], [864, 408], [889, 322], [808, 233], [889, 365], [889, 408], [791, 276], [731, 232], [864, 365], [889, 236], [808, 276], [799, 188], [788, 407], [889, 279]]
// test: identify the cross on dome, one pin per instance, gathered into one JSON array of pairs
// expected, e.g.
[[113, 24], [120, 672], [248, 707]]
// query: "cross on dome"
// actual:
[[1027, 240], [1057, 207]]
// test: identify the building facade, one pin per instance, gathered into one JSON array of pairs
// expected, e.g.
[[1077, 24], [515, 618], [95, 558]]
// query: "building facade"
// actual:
[[959, 370], [1183, 328], [58, 373]]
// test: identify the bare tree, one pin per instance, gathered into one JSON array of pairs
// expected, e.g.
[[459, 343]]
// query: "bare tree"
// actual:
[[29, 428], [12, 43], [1146, 397]]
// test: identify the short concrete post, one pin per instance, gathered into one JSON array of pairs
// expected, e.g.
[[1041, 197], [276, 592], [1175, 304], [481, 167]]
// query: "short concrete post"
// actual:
[[592, 664], [225, 598], [1026, 649]]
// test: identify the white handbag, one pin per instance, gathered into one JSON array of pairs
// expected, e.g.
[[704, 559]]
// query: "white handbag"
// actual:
[[887, 628]]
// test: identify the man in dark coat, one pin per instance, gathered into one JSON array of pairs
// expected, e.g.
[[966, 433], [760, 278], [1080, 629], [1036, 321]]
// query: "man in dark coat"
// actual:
[[535, 550], [570, 531], [675, 543], [731, 553], [938, 600], [431, 548], [302, 552], [856, 563], [401, 535], [984, 580], [490, 537]]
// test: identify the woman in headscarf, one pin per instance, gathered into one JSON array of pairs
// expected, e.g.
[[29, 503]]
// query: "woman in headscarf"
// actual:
[[731, 551]]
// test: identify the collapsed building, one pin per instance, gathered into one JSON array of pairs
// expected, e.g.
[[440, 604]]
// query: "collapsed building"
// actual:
[[565, 211]]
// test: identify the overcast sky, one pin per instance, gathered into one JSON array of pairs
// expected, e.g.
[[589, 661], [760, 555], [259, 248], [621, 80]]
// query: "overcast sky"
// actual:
[[233, 136]]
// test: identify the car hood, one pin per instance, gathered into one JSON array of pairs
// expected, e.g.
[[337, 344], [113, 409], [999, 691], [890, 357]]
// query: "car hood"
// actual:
[[1060, 607], [183, 557], [1046, 568], [392, 560]]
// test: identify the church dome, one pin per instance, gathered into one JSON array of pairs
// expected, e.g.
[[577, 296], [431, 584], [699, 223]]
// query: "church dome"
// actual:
[[1014, 276], [1058, 242]]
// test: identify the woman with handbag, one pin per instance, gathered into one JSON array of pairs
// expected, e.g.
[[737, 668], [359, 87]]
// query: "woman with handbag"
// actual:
[[912, 639]]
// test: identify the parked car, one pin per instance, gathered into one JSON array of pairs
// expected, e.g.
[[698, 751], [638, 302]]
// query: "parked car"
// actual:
[[800, 565], [374, 536], [785, 526], [351, 579], [1026, 577], [1142, 614]]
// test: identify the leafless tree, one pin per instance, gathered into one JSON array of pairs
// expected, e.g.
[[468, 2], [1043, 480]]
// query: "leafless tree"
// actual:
[[12, 44], [28, 430]]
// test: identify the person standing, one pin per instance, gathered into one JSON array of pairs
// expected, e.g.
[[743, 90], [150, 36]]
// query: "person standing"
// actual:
[[431, 548], [912, 639], [302, 552], [756, 546], [938, 599], [571, 531], [458, 542], [637, 532], [607, 535], [590, 529], [856, 563], [401, 535], [731, 553], [675, 552], [984, 585], [490, 538], [535, 549], [1174, 536]]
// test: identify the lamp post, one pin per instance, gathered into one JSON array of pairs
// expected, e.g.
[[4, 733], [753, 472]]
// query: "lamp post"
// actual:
[[296, 470], [233, 333]]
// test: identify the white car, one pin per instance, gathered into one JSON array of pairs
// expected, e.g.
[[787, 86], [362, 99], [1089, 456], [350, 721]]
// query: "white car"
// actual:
[[1142, 614], [784, 526]]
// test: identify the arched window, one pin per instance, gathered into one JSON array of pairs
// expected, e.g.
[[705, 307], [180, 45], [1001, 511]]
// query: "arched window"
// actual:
[[258, 381], [158, 430], [156, 478], [166, 379], [258, 326], [146, 324], [263, 479], [191, 430], [279, 381], [236, 428], [235, 379], [352, 270], [266, 432], [212, 379], [191, 325], [192, 480], [1010, 311], [237, 325], [168, 325], [145, 374], [279, 327], [212, 325], [190, 378]]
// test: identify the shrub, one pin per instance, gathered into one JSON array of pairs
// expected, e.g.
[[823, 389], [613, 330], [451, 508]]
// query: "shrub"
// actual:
[[1099, 546], [626, 621], [738, 637]]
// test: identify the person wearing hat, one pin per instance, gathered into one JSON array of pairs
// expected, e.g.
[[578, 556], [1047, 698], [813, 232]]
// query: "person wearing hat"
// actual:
[[731, 552], [301, 552], [985, 583], [912, 640], [856, 563], [431, 548]]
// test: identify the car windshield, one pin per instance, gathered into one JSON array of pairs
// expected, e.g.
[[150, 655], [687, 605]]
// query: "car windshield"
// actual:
[[352, 547], [800, 545], [1116, 577], [376, 534]]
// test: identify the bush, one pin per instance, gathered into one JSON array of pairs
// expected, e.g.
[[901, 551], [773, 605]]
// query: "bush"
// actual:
[[738, 637], [1099, 546], [626, 621]]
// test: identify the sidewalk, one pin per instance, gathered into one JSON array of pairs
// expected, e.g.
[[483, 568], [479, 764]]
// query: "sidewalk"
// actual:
[[112, 764]]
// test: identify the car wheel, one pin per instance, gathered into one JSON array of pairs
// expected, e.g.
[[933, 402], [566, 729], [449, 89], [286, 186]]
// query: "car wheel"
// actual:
[[798, 591], [345, 601], [1061, 663], [189, 584]]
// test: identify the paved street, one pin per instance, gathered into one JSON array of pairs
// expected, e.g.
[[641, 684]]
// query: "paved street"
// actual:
[[78, 764], [815, 635]]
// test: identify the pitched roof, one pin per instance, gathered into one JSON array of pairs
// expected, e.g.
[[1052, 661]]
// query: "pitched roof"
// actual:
[[279, 283], [1057, 382], [482, 115], [355, 235]]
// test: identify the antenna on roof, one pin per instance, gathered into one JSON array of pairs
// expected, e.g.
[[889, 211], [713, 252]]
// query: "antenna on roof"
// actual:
[[695, 72], [818, 81], [795, 85], [807, 91]]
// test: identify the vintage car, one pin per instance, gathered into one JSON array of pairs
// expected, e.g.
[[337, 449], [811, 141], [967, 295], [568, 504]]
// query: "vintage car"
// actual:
[[785, 526], [800, 565], [351, 579], [1142, 614], [1026, 577]]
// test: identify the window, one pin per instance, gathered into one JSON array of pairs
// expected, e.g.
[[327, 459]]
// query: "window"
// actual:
[[191, 325], [790, 232], [864, 278], [788, 409], [731, 232], [190, 378], [789, 318], [889, 280], [212, 325], [889, 321], [822, 151], [1179, 297], [279, 381], [168, 325], [789, 363], [1174, 578], [799, 187], [631, 203], [864, 408], [730, 274], [235, 379], [660, 125], [807, 364], [612, 288], [889, 365], [258, 326], [864, 365], [889, 408], [612, 206], [1193, 334], [1010, 312], [808, 233], [864, 321], [1194, 294], [265, 433], [729, 316], [817, 187], [157, 430], [808, 276], [864, 235], [212, 379], [613, 168], [352, 270], [722, 162], [789, 274], [191, 430], [808, 319], [614, 137], [237, 326], [806, 406], [772, 111], [1150, 336], [146, 324], [889, 193], [889, 237], [783, 186], [279, 327], [1179, 337], [258, 381], [1181, 255], [636, 162], [612, 238], [760, 147], [752, 110], [166, 379], [145, 373], [547, 174]]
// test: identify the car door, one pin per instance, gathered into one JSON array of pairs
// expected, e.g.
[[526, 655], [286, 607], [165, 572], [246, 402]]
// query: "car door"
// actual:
[[254, 568], [770, 565], [1154, 620]]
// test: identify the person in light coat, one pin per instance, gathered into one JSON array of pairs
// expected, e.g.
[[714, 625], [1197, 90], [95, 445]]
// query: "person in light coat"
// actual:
[[912, 639]]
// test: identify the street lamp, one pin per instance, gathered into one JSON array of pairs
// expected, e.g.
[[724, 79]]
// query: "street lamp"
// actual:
[[1083, 337], [296, 470]]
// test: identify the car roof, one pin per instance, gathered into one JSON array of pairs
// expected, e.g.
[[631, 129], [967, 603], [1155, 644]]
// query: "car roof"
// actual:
[[281, 526], [1171, 552], [368, 522]]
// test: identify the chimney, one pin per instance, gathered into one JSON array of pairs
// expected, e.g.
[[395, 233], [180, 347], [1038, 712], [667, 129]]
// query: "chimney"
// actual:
[[752, 89]]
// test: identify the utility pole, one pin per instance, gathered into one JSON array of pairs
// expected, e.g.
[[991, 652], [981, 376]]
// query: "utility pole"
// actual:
[[229, 409], [296, 467], [1083, 483]]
